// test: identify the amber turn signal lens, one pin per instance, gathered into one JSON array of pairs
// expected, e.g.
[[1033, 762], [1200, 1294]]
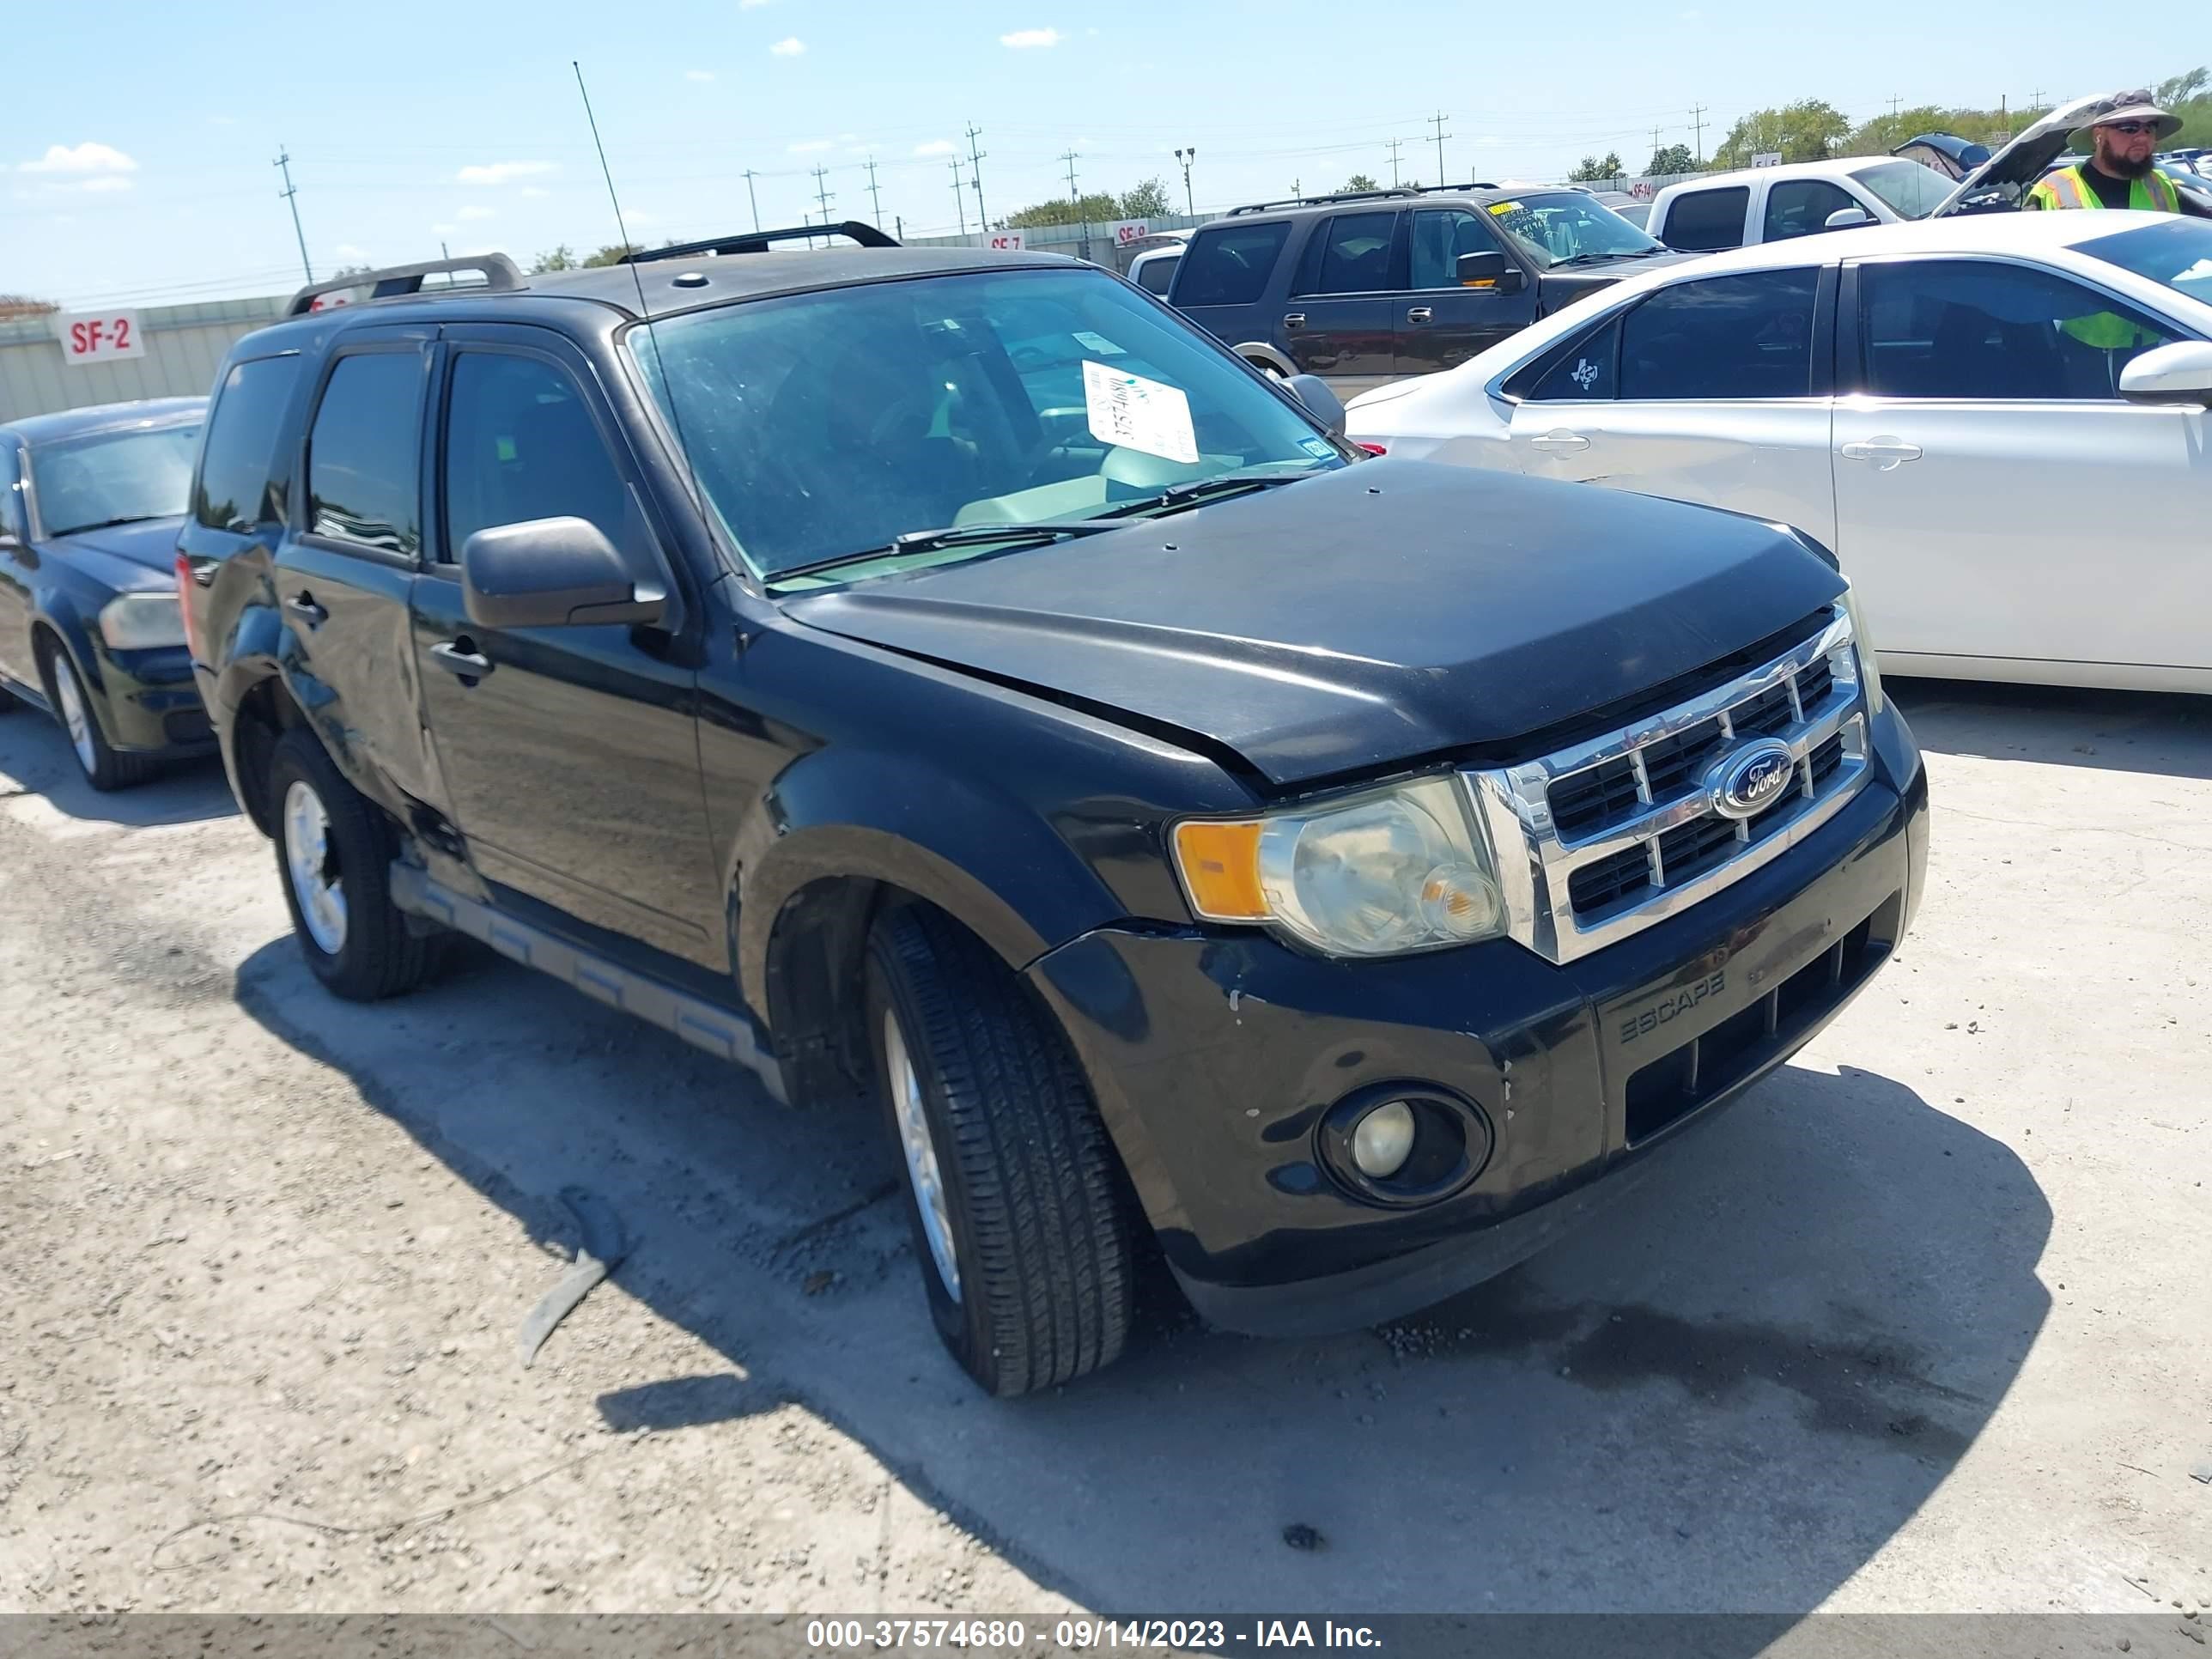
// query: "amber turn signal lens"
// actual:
[[1221, 866]]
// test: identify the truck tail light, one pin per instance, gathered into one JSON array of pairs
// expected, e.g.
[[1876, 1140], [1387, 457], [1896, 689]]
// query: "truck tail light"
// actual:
[[1373, 449], [186, 581]]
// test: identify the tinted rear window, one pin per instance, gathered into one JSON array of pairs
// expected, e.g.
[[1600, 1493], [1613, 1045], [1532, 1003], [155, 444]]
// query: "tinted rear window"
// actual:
[[1726, 337], [1702, 220], [1154, 275], [364, 455], [232, 491], [1228, 266]]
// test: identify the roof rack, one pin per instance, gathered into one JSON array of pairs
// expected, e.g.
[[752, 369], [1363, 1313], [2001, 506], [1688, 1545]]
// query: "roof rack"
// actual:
[[1323, 201], [758, 241], [393, 282], [1446, 190]]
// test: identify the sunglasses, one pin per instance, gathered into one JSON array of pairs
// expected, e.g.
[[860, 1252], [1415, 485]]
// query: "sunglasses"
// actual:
[[2131, 128]]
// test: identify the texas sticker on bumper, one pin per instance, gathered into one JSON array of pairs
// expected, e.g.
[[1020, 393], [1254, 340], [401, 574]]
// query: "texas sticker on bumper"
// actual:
[[1136, 413]]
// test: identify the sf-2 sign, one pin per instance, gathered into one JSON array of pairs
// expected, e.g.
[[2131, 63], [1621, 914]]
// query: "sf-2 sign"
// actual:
[[101, 337]]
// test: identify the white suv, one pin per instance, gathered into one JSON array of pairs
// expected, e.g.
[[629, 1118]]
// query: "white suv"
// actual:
[[1769, 205]]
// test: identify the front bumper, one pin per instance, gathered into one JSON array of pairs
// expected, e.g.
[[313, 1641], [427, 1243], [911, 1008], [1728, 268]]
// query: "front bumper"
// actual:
[[1214, 1055], [150, 702]]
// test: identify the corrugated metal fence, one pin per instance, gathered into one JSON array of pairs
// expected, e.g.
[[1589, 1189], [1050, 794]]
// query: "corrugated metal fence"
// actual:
[[185, 345]]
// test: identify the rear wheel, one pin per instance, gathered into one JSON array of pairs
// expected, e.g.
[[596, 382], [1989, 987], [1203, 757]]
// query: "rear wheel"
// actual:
[[334, 853], [1020, 1222], [103, 767]]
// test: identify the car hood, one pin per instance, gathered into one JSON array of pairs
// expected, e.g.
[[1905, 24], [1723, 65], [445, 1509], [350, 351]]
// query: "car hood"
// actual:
[[1384, 612], [125, 555], [1561, 287], [2021, 161]]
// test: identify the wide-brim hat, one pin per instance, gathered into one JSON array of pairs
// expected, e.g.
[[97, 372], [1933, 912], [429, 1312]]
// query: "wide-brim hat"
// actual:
[[2133, 106]]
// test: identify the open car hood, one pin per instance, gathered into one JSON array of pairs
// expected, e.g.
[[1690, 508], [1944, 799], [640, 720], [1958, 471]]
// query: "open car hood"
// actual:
[[2020, 162]]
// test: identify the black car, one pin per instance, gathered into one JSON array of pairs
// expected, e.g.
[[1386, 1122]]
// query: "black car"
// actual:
[[90, 501], [949, 677], [1366, 287]]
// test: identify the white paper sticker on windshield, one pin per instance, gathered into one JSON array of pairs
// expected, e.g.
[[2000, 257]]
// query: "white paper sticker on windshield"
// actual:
[[1136, 413], [1097, 342]]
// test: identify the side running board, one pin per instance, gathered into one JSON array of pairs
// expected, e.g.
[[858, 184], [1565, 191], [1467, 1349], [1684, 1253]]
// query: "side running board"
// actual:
[[720, 1031]]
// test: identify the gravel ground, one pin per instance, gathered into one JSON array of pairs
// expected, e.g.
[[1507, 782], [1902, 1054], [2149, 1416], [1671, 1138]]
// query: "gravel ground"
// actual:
[[1922, 1327]]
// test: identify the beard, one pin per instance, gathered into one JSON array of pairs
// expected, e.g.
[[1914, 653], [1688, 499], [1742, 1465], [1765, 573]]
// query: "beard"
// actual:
[[2119, 166]]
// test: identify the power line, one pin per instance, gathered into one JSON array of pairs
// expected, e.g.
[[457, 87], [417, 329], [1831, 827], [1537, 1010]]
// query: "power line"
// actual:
[[291, 195], [976, 175], [959, 200], [1438, 121]]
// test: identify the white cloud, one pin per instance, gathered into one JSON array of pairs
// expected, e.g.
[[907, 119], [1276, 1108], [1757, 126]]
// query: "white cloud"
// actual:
[[934, 146], [699, 74], [1022, 39], [532, 191], [788, 47], [473, 211], [810, 146], [350, 254], [85, 158], [106, 181], [501, 173]]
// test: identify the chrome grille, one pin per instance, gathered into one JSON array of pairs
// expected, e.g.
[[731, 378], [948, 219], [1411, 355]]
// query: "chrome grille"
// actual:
[[1601, 840]]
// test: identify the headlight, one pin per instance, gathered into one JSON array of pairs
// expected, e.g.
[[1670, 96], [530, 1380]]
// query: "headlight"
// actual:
[[138, 621], [1377, 875], [1869, 668]]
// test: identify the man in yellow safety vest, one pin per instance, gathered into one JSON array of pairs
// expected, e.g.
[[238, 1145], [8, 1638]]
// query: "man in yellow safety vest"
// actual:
[[2120, 172]]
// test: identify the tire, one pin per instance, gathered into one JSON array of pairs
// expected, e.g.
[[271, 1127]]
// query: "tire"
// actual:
[[354, 939], [71, 700], [1034, 1211]]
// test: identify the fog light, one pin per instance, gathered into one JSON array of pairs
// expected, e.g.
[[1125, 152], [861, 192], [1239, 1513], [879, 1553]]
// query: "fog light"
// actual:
[[1382, 1140]]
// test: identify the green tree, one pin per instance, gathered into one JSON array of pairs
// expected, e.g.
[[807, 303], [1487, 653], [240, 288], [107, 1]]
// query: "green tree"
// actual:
[[1671, 158], [613, 254], [1147, 200], [1809, 130], [2183, 88], [1358, 181], [1592, 167], [1099, 207], [1885, 132], [562, 257]]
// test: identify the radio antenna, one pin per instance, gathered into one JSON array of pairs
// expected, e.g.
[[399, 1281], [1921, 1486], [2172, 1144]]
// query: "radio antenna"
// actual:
[[644, 310]]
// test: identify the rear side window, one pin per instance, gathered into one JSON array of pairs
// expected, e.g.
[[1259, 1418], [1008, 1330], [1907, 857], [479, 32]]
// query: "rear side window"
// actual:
[[1351, 255], [233, 489], [1702, 220], [364, 473], [1228, 266], [1583, 370], [1726, 337], [521, 445], [1154, 275], [1800, 207]]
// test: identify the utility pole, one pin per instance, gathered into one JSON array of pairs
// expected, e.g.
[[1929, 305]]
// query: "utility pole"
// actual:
[[2004, 114], [875, 202], [900, 221], [975, 174], [1438, 121], [1076, 202], [2036, 97], [1894, 100], [1655, 142], [1395, 143], [822, 193], [959, 199], [752, 198], [291, 194], [443, 252], [1187, 157], [1697, 121]]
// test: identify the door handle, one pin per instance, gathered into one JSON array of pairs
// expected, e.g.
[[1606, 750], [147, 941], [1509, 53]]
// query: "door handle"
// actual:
[[1559, 443], [1420, 314], [302, 605], [456, 658], [1296, 320], [1884, 453]]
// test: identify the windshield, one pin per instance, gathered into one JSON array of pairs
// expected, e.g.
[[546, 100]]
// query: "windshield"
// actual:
[[2177, 252], [826, 425], [1911, 190], [1555, 228], [115, 477]]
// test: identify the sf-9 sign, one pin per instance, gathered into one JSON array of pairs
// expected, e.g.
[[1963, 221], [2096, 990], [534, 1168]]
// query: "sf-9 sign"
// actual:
[[101, 337]]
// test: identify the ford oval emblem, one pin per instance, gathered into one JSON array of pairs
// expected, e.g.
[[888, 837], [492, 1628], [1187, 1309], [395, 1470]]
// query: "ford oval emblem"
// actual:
[[1752, 779]]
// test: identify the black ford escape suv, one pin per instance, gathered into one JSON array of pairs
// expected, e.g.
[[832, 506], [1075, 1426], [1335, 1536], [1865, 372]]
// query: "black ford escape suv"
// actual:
[[952, 676]]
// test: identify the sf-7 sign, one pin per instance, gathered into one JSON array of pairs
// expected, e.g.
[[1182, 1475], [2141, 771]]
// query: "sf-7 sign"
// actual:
[[99, 336]]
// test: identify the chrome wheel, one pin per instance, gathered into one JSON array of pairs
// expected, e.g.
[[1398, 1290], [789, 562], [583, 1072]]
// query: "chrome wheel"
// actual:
[[921, 1149], [310, 862], [76, 719]]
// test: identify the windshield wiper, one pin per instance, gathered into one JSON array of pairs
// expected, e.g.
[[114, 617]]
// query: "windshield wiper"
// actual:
[[110, 524], [1595, 255], [963, 535], [1199, 489]]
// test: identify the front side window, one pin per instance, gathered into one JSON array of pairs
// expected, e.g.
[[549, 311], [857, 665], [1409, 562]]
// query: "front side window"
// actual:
[[1980, 330], [364, 479], [13, 519], [114, 478], [823, 426], [1701, 221], [1911, 189], [233, 490], [520, 444], [1440, 236], [1567, 227], [1726, 337], [1228, 266], [1801, 207], [1351, 255], [2177, 252]]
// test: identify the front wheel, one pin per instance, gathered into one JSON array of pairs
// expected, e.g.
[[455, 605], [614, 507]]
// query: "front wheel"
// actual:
[[103, 768], [1019, 1216], [334, 853]]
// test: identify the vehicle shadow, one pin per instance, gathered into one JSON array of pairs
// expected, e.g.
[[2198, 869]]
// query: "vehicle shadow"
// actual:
[[2156, 731], [35, 759], [1725, 1394]]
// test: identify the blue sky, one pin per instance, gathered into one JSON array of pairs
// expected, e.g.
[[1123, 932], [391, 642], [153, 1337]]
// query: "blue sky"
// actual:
[[139, 137]]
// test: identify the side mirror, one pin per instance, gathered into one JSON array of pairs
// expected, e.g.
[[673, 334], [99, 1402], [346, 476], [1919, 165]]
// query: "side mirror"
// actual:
[[552, 573], [1489, 270], [1321, 403], [2176, 374], [1848, 218]]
